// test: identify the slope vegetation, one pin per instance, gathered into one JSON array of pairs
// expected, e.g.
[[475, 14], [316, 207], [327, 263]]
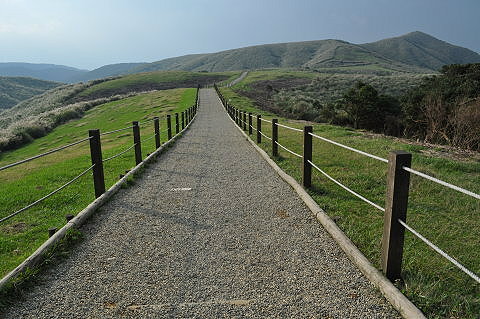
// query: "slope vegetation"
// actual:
[[16, 89]]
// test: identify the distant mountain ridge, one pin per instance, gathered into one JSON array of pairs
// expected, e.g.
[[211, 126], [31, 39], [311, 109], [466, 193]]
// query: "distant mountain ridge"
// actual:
[[47, 72], [415, 52]]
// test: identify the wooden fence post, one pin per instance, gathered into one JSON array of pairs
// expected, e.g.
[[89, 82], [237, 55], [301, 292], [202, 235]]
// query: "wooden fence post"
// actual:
[[274, 137], [137, 142], [156, 125], [307, 156], [183, 120], [244, 120], [177, 125], [259, 129], [97, 162], [169, 127], [398, 182], [250, 123]]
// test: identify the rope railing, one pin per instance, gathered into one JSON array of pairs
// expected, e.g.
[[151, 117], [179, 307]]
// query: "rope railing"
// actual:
[[346, 188], [149, 138], [44, 154], [46, 196], [119, 154], [115, 131], [290, 151], [290, 128], [350, 148], [392, 264], [438, 181], [441, 252]]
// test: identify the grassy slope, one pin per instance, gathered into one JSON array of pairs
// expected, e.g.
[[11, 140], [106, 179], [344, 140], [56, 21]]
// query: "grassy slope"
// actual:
[[446, 217], [16, 89], [21, 235], [154, 80]]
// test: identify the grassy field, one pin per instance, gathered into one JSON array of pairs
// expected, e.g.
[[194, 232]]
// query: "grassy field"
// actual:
[[446, 217], [25, 183], [154, 80]]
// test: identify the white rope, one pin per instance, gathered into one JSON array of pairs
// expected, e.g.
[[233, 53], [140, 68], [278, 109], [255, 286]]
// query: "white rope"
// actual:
[[436, 180], [253, 128], [350, 148], [44, 154], [264, 120], [47, 196], [149, 138], [264, 135], [286, 149], [441, 252], [346, 188], [290, 128], [121, 153], [119, 130]]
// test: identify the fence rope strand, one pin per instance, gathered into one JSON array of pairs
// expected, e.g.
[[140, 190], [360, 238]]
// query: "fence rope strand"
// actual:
[[286, 149], [290, 128], [115, 131], [346, 188], [350, 148], [269, 138], [44, 154], [441, 252], [439, 181], [46, 196], [118, 154]]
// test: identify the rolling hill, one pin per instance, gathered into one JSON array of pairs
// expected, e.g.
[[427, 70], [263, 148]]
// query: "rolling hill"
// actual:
[[414, 52], [422, 50], [16, 89], [48, 72]]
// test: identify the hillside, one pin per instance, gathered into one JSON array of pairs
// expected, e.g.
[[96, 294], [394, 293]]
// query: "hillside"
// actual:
[[16, 89], [105, 71], [48, 72], [422, 50]]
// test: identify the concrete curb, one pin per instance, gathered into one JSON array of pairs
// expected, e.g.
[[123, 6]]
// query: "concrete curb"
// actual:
[[34, 259], [401, 303]]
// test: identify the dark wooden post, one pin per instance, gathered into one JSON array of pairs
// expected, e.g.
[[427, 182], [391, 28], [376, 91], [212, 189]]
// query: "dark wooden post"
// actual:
[[236, 116], [156, 125], [307, 156], [244, 120], [97, 162], [52, 231], [183, 120], [398, 182], [169, 127], [177, 125], [274, 137], [250, 123], [137, 142], [259, 128]]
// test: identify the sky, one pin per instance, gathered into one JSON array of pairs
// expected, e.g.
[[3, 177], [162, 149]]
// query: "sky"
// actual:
[[90, 33]]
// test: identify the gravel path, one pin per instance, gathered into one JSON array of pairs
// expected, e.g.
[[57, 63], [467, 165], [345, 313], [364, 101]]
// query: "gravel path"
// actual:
[[208, 231]]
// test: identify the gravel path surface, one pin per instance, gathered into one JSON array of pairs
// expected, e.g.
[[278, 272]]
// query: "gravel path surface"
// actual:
[[208, 231]]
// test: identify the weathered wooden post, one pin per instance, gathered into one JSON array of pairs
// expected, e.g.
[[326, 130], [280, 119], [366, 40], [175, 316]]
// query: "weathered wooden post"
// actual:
[[169, 127], [97, 162], [177, 125], [259, 129], [137, 142], [250, 123], [156, 125], [52, 231], [307, 156], [183, 120], [398, 182], [244, 120], [274, 137]]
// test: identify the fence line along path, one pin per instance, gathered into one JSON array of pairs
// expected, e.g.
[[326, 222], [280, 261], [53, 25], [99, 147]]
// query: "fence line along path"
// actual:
[[208, 231]]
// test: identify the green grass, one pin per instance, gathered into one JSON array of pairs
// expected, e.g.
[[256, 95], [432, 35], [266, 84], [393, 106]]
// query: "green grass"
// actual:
[[448, 218], [23, 184], [150, 80]]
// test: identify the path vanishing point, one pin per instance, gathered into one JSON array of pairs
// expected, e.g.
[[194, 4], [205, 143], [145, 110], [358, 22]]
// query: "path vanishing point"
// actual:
[[208, 231]]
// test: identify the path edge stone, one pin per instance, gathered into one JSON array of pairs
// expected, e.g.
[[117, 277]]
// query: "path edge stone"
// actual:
[[394, 296], [37, 256]]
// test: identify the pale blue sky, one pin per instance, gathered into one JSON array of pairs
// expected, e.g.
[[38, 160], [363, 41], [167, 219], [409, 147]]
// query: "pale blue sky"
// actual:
[[91, 33]]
